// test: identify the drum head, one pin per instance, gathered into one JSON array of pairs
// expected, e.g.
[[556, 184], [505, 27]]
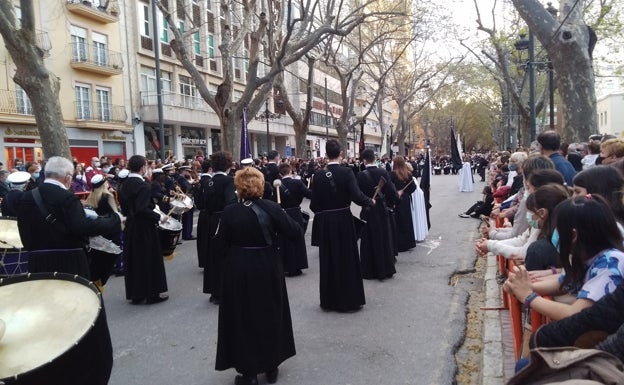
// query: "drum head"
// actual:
[[171, 225], [9, 234], [43, 319]]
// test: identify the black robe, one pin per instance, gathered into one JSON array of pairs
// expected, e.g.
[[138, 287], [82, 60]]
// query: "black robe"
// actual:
[[203, 238], [220, 193], [403, 215], [59, 246], [293, 252], [255, 327], [341, 287], [376, 245], [101, 263], [145, 275]]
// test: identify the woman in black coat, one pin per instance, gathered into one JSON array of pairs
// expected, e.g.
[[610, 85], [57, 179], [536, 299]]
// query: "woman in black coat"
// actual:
[[255, 328]]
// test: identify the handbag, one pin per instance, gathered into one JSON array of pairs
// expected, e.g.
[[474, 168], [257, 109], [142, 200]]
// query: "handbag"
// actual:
[[555, 365]]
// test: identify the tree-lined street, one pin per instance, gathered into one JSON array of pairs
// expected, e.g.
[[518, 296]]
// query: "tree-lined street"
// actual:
[[406, 333]]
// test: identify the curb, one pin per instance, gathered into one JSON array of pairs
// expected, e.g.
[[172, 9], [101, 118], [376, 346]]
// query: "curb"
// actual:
[[492, 364]]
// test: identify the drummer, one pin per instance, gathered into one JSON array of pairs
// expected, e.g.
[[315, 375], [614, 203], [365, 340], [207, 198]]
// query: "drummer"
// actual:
[[160, 194], [185, 185], [17, 182], [53, 226]]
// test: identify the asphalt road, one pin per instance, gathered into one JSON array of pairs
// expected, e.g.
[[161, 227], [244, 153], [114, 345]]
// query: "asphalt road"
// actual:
[[406, 333]]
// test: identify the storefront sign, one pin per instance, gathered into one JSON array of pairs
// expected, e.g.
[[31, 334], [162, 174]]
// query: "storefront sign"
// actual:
[[194, 141], [113, 137], [21, 132]]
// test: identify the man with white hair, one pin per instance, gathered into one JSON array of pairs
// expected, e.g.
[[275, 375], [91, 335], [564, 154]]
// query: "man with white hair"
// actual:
[[53, 225]]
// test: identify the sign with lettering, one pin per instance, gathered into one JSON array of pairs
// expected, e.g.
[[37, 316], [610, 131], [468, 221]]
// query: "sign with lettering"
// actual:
[[21, 132], [194, 141]]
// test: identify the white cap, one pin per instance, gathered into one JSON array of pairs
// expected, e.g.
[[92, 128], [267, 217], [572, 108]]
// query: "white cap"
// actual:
[[18, 177], [123, 173], [157, 171], [247, 162], [97, 180]]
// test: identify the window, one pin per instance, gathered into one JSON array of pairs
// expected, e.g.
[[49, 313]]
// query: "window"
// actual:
[[188, 91], [83, 101], [164, 36], [196, 46], [103, 105], [181, 26], [145, 27], [22, 101], [211, 51], [79, 44], [148, 86], [100, 49]]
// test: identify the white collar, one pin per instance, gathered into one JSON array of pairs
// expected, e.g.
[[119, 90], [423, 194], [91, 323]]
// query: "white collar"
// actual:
[[371, 165], [219, 173], [287, 177], [135, 175], [55, 182], [328, 163]]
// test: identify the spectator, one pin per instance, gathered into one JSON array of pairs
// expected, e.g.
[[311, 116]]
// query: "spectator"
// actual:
[[589, 160], [590, 248], [79, 180], [611, 151], [549, 143], [93, 169]]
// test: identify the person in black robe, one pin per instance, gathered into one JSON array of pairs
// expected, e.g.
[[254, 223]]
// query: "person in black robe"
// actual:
[[255, 326], [219, 194], [272, 170], [185, 186], [333, 231], [203, 239], [376, 249], [404, 183], [145, 277], [102, 201], [58, 244], [292, 191]]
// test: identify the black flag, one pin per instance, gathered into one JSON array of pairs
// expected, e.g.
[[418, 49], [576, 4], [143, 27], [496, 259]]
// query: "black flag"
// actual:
[[425, 184], [456, 158]]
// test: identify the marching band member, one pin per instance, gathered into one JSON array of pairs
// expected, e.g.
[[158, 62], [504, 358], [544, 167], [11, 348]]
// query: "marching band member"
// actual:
[[203, 238]]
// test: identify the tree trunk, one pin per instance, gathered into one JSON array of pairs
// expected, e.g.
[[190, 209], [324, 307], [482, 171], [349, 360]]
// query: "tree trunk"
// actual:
[[570, 52]]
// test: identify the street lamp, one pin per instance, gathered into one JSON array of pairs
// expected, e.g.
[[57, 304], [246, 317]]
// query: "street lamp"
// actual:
[[553, 11], [267, 115], [529, 45], [390, 141]]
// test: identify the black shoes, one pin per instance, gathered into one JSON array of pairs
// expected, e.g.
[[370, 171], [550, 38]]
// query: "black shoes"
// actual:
[[215, 300], [191, 238], [271, 376], [294, 273], [159, 298], [242, 379], [464, 215]]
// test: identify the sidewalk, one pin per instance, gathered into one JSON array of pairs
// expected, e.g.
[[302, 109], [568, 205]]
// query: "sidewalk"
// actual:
[[498, 355]]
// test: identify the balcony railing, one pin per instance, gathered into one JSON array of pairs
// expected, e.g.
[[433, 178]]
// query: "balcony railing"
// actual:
[[87, 9], [12, 103], [173, 99], [95, 59], [100, 112], [43, 42]]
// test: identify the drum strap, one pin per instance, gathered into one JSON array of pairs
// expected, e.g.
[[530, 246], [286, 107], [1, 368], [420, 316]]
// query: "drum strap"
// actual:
[[265, 221], [51, 219]]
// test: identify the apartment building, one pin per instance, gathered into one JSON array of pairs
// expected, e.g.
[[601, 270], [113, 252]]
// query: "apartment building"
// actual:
[[611, 114], [83, 48]]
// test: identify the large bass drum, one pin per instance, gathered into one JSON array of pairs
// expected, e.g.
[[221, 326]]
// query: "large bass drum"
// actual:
[[55, 331], [169, 233], [13, 259]]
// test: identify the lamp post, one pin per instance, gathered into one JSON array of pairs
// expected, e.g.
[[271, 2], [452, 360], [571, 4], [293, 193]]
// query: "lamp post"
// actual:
[[267, 115], [362, 123], [390, 141], [553, 11]]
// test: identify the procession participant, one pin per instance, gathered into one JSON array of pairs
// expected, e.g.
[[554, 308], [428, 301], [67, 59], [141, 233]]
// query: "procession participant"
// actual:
[[376, 250], [333, 231], [268, 188], [293, 251], [203, 238], [102, 201], [255, 326], [185, 186], [17, 183], [53, 225], [159, 194], [93, 169], [272, 171], [145, 276], [405, 186], [220, 193]]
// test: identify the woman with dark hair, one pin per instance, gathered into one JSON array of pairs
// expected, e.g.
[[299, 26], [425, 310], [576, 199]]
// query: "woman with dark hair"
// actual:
[[591, 253], [541, 254], [606, 181], [255, 327], [220, 193], [402, 179]]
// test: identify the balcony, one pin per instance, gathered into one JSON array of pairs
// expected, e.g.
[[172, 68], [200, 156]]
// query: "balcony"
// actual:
[[100, 116], [95, 59], [15, 107], [177, 108], [87, 9]]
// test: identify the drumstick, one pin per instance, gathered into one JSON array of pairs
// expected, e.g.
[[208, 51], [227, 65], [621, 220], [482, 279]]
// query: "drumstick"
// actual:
[[380, 185], [401, 190], [276, 184], [310, 181]]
